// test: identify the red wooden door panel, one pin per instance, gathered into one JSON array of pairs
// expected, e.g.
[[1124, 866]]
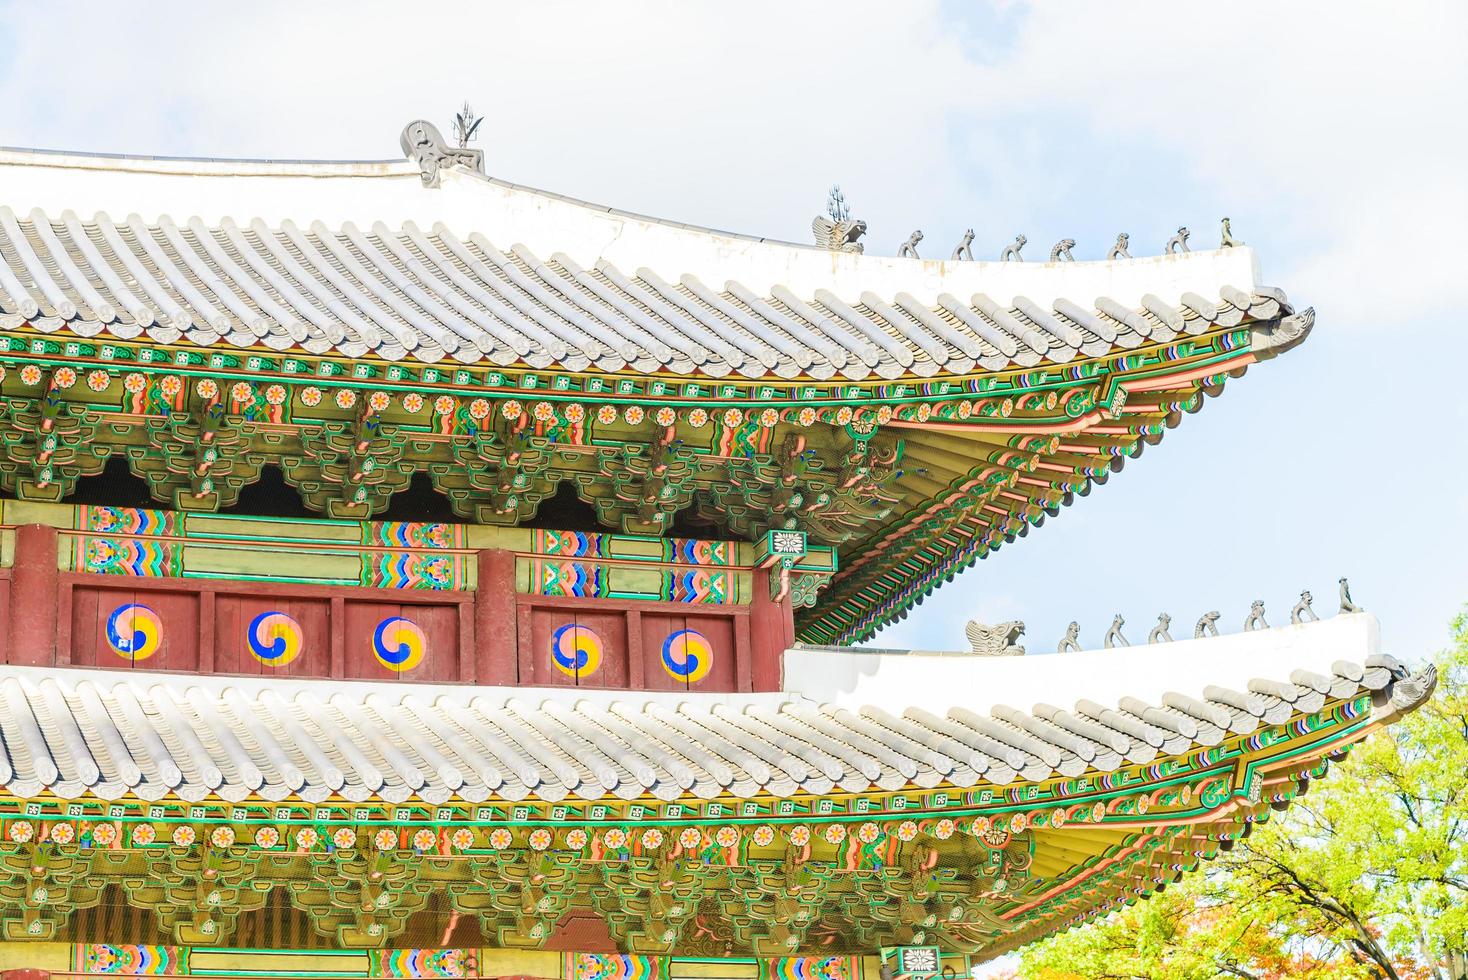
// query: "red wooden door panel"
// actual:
[[399, 641], [123, 629], [271, 636]]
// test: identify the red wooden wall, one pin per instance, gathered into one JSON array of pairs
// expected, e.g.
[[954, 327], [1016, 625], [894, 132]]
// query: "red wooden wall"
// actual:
[[492, 636]]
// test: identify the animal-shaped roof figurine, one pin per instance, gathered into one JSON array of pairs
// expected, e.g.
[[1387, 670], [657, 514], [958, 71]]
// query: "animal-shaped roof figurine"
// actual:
[[908, 249], [838, 236], [995, 641], [963, 251], [1061, 251]]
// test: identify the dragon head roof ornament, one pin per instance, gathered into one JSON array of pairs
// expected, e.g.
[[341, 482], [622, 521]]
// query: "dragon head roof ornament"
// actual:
[[995, 641], [424, 145]]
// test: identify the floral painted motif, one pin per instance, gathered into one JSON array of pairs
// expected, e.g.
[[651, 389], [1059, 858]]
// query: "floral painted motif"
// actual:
[[652, 838], [143, 835], [207, 388], [378, 401], [1057, 818], [30, 375], [698, 418], [634, 414], [800, 835], [463, 839], [275, 394], [769, 417], [307, 838], [943, 829], [425, 840], [807, 417], [1017, 823], [103, 834], [98, 380], [545, 412], [267, 837], [64, 377], [835, 833], [344, 837], [576, 839], [884, 414], [385, 839], [21, 831], [63, 833], [443, 404], [311, 396], [500, 838], [479, 409], [345, 398], [665, 416], [615, 838], [690, 838], [907, 830], [183, 835], [222, 837], [540, 839], [412, 403], [511, 409], [733, 417], [727, 836], [241, 391], [844, 415], [135, 383], [868, 832], [575, 413], [764, 835], [606, 414]]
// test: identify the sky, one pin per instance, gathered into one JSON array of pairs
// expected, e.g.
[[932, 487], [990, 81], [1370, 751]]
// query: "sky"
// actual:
[[1332, 134]]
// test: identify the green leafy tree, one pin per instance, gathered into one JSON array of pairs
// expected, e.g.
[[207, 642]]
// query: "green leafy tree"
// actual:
[[1364, 877]]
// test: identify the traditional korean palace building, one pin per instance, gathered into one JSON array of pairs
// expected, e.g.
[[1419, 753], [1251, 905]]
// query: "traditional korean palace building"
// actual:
[[408, 573]]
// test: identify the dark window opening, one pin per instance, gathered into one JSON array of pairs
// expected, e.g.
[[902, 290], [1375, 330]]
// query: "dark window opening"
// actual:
[[270, 496], [115, 486], [565, 511], [419, 502]]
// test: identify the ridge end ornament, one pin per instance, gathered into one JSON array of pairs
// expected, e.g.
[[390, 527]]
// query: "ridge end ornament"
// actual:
[[424, 145], [1011, 251], [1071, 641], [1347, 606], [995, 641], [1061, 250], [908, 249], [1177, 243], [1119, 250], [1160, 632], [836, 230], [1228, 240]]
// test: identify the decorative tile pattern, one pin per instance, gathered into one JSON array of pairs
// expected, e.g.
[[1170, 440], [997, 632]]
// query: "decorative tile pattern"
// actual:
[[416, 963], [129, 960]]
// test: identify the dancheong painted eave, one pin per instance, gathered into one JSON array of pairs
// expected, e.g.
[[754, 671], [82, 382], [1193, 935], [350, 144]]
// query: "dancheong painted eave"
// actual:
[[362, 260]]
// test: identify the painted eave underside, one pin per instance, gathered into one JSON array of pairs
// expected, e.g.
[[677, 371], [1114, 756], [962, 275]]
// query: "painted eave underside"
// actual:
[[71, 732], [361, 260]]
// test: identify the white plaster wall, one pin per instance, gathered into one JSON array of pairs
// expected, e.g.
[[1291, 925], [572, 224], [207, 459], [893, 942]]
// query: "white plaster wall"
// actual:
[[894, 682], [391, 192]]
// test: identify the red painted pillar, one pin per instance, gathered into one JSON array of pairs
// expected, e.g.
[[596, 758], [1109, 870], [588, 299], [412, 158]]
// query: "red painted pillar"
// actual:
[[33, 598], [772, 631], [495, 640]]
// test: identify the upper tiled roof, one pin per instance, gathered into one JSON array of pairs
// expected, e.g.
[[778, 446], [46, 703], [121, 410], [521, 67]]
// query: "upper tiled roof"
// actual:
[[72, 732], [362, 260]]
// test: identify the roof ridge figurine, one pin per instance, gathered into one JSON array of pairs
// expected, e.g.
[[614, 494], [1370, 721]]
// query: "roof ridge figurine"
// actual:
[[1302, 613], [1113, 635], [835, 230], [1011, 251], [1061, 251], [1255, 620], [1070, 642], [1347, 606], [908, 249], [1228, 237], [1177, 243], [1159, 632], [1207, 625], [1119, 250], [963, 251]]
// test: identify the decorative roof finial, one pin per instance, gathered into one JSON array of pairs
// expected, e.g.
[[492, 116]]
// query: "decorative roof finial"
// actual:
[[995, 641], [466, 125], [1011, 252], [908, 249], [1177, 243], [1159, 632], [1207, 625], [963, 252], [1256, 617], [1113, 635], [1071, 641], [424, 145], [1228, 237], [1302, 613], [1061, 251], [835, 230], [1347, 606], [1119, 250]]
